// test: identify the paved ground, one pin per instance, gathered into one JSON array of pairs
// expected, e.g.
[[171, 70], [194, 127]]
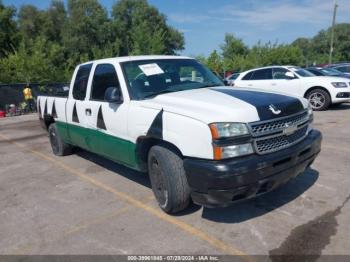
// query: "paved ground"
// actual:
[[83, 204]]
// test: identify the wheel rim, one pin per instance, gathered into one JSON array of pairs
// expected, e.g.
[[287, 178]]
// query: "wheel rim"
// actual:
[[54, 141], [317, 100], [158, 183]]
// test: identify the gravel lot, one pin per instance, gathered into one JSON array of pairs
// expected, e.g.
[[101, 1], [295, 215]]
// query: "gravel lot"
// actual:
[[84, 204]]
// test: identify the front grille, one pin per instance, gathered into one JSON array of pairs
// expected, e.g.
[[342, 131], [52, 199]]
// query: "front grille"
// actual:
[[275, 143], [265, 128], [269, 135]]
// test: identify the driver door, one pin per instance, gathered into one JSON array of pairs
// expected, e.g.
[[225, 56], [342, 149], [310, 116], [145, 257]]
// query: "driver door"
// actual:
[[108, 121]]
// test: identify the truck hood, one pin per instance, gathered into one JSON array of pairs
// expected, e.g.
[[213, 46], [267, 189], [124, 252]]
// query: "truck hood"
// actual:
[[227, 104]]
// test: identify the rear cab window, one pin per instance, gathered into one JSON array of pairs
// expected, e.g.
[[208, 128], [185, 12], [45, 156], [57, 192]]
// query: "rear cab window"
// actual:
[[262, 74], [81, 82], [248, 76]]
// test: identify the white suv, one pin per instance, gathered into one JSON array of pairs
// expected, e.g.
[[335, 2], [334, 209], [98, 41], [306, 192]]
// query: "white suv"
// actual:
[[319, 90]]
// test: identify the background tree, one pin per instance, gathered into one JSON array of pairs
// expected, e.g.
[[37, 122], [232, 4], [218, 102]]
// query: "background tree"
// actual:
[[54, 21], [30, 22], [36, 65], [232, 49], [87, 27], [214, 62], [8, 30], [46, 45], [143, 30]]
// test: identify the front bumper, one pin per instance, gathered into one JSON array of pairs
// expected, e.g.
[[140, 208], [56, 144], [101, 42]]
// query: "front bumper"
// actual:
[[343, 95], [220, 183]]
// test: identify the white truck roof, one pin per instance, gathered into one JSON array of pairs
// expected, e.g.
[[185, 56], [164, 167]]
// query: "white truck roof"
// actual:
[[136, 58]]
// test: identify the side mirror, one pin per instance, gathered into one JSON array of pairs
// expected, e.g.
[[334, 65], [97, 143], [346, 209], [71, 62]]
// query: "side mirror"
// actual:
[[289, 75], [113, 95]]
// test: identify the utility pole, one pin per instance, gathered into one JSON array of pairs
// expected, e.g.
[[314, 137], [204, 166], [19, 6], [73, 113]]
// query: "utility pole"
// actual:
[[332, 32]]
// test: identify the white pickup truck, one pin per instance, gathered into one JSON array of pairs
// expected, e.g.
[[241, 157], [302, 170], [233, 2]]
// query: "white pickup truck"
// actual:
[[172, 117]]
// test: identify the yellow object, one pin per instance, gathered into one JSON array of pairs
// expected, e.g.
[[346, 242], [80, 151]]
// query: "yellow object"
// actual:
[[27, 92]]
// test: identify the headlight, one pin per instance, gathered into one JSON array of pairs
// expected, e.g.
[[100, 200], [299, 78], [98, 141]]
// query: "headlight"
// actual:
[[232, 151], [339, 84], [222, 130]]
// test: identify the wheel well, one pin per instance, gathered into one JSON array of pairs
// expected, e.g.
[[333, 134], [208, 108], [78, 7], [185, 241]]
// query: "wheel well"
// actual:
[[48, 120], [314, 88], [144, 144]]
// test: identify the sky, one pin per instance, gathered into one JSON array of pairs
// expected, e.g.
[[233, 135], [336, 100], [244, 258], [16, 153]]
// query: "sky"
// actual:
[[205, 22]]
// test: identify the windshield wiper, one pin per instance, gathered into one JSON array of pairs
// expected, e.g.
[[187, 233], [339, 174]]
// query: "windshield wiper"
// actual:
[[210, 85], [165, 91], [159, 93]]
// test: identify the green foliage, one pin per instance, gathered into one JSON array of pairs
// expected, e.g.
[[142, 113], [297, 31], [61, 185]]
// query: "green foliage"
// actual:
[[200, 58], [143, 30], [256, 56], [235, 56], [233, 49], [37, 65], [8, 29], [45, 45], [214, 62], [85, 29], [316, 49]]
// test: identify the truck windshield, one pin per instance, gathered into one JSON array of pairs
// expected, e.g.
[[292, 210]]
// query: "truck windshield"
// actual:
[[331, 71], [301, 72], [149, 78]]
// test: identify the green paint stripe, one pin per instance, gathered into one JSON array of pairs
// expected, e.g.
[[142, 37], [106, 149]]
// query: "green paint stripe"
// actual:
[[111, 147]]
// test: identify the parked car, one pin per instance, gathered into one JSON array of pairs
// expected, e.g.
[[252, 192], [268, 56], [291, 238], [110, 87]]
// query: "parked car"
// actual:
[[231, 79], [196, 138], [319, 90], [343, 67], [328, 71]]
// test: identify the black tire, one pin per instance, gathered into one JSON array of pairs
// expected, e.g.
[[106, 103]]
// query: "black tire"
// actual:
[[319, 99], [59, 148], [168, 179], [337, 104]]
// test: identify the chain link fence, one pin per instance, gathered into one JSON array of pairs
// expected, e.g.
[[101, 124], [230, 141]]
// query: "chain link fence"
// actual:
[[12, 98]]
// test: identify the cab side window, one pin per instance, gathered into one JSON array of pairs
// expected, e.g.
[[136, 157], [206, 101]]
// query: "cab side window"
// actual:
[[343, 69], [248, 76], [105, 76], [81, 81], [262, 74], [279, 73]]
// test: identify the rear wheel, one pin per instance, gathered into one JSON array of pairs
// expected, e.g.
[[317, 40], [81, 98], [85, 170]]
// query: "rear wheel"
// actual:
[[59, 147], [319, 99], [168, 179]]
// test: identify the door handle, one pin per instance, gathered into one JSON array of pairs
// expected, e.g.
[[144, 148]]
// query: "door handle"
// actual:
[[250, 85], [88, 111], [273, 84]]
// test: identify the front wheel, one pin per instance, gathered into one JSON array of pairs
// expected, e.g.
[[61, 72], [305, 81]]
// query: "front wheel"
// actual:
[[168, 179], [319, 99]]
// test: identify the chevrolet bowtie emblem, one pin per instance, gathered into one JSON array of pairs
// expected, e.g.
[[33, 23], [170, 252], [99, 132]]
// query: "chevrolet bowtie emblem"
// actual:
[[289, 129], [274, 110]]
